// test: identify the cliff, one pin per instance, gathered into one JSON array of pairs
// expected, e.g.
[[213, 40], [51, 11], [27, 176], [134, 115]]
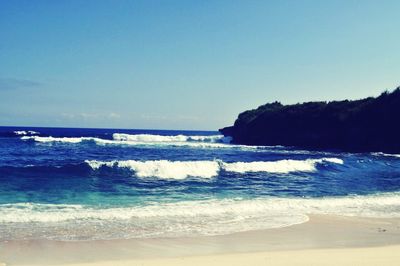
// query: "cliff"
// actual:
[[370, 124]]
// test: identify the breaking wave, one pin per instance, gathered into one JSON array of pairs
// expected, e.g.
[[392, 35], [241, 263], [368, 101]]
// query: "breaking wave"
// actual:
[[58, 139], [207, 169], [176, 138], [128, 138], [385, 154], [27, 132], [187, 218], [282, 166], [212, 141]]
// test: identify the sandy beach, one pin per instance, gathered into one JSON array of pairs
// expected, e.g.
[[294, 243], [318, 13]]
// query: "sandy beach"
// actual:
[[350, 256], [324, 240]]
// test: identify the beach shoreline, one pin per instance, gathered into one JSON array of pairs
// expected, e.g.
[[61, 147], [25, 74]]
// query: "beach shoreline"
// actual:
[[333, 236]]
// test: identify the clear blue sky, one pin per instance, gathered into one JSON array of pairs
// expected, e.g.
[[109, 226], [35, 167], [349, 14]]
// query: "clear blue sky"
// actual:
[[187, 64]]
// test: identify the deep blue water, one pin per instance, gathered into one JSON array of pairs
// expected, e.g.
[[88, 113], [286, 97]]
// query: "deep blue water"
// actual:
[[73, 184]]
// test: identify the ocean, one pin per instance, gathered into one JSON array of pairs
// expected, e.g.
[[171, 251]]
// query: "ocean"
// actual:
[[75, 184]]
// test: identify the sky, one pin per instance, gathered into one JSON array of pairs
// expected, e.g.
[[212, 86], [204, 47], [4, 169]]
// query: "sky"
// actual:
[[187, 64]]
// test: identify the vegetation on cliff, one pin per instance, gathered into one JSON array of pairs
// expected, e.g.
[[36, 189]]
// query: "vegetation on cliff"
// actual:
[[371, 124]]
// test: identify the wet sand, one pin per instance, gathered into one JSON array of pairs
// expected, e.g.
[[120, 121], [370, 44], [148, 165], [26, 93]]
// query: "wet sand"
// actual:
[[327, 240]]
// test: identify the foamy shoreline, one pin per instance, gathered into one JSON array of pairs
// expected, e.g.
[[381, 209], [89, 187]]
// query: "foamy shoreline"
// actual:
[[344, 237]]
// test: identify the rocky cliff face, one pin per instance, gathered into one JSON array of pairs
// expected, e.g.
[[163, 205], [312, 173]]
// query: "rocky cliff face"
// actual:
[[371, 124]]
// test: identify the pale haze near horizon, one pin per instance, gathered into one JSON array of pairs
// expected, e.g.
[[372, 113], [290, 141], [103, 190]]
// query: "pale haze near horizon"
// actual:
[[187, 64]]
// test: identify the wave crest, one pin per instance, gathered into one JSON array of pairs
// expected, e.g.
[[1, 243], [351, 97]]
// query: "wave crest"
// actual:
[[207, 169], [176, 138], [282, 166], [187, 218], [212, 141], [164, 168], [55, 139], [27, 132], [385, 154]]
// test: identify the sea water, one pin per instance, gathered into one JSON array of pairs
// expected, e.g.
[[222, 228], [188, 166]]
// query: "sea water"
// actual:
[[86, 184]]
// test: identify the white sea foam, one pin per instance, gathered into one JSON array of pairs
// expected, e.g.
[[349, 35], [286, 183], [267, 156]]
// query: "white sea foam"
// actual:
[[282, 166], [152, 141], [176, 138], [187, 218], [163, 168], [95, 165], [215, 138], [375, 205], [72, 140], [148, 138], [23, 132], [55, 139], [385, 154], [215, 141], [208, 169]]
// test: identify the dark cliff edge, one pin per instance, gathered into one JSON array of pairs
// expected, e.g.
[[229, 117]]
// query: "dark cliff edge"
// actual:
[[366, 125]]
